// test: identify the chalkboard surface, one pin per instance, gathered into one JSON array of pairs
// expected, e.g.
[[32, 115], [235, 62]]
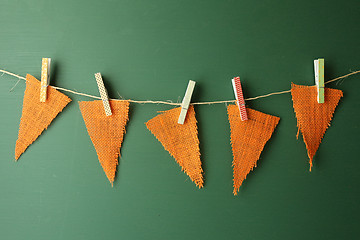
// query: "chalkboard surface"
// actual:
[[149, 50]]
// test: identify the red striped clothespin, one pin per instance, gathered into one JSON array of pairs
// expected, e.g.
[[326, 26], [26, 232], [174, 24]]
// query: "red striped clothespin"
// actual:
[[239, 98]]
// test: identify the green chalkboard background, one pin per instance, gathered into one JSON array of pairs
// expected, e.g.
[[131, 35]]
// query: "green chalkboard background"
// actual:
[[149, 50]]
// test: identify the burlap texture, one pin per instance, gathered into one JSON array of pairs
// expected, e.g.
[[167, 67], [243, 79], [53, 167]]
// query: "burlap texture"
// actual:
[[106, 132], [313, 118], [248, 139], [37, 116], [180, 140]]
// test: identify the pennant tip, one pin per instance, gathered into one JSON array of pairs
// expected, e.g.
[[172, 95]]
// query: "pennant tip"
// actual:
[[111, 181], [17, 156]]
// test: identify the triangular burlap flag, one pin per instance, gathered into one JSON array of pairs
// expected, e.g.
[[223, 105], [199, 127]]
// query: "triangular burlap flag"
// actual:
[[180, 140], [248, 139], [37, 116], [313, 118], [106, 132]]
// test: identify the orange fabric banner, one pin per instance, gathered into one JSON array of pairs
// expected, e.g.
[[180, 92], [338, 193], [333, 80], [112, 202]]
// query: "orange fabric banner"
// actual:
[[37, 116], [248, 139], [106, 132], [313, 118], [180, 140]]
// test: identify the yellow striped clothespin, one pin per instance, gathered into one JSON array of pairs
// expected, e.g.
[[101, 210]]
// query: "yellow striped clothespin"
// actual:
[[103, 94], [45, 78]]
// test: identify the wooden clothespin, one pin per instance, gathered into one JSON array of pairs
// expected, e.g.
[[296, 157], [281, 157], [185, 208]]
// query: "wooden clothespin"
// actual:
[[103, 94], [45, 78], [239, 98], [319, 79], [186, 101]]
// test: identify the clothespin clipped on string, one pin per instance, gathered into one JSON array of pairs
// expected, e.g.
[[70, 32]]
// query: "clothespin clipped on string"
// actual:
[[239, 98], [103, 94], [45, 78], [186, 101], [319, 79]]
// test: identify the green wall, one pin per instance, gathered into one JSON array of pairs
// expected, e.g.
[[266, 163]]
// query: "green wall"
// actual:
[[149, 50]]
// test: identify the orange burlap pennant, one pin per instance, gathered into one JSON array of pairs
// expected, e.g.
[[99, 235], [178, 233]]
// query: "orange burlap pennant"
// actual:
[[180, 140], [37, 116], [313, 118], [106, 132], [248, 139]]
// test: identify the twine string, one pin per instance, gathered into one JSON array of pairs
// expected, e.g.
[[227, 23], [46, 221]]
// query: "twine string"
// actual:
[[169, 102]]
